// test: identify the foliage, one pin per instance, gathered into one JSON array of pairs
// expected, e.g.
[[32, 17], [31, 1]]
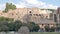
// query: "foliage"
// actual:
[[17, 25], [5, 19], [33, 27], [9, 6], [36, 28], [4, 28], [47, 28], [52, 29], [10, 26]]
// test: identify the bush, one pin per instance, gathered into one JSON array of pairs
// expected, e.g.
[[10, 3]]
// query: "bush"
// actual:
[[17, 25], [52, 29], [33, 27], [47, 28], [10, 26], [14, 26]]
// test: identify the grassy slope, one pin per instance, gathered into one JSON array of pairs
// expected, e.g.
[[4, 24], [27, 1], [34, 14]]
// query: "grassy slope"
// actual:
[[37, 33], [44, 33]]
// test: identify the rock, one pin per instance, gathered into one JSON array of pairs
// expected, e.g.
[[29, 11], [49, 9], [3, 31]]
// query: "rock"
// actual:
[[23, 30]]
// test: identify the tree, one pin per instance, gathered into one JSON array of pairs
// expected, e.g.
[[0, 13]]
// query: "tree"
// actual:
[[9, 6], [30, 26], [4, 27], [17, 25], [33, 27], [1, 18], [4, 19], [47, 28], [36, 28], [58, 28], [11, 26], [52, 29]]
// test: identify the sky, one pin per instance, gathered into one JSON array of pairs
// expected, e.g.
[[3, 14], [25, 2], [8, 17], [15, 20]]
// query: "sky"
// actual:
[[47, 4]]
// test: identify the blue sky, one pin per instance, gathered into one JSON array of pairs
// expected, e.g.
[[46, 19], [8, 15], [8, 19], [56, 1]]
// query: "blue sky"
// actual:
[[52, 4]]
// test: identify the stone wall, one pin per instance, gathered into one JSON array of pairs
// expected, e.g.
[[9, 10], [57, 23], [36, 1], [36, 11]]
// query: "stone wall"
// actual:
[[24, 14]]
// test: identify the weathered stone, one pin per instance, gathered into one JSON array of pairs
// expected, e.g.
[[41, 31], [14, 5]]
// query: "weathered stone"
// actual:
[[23, 30]]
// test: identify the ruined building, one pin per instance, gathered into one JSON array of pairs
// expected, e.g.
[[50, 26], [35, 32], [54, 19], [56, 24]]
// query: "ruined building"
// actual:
[[39, 16]]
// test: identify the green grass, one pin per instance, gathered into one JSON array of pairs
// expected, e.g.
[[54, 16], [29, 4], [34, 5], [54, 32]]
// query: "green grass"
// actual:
[[6, 33], [44, 33], [37, 33]]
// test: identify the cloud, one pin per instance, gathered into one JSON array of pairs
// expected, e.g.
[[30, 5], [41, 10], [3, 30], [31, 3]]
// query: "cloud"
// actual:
[[30, 4], [35, 3], [49, 6], [20, 5], [32, 1], [2, 6]]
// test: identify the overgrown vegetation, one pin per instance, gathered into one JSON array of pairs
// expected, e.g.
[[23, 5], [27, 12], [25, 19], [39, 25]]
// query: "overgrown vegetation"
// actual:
[[7, 24], [14, 26], [3, 19], [9, 6]]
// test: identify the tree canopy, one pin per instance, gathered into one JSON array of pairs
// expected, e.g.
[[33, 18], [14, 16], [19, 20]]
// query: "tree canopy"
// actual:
[[9, 6]]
